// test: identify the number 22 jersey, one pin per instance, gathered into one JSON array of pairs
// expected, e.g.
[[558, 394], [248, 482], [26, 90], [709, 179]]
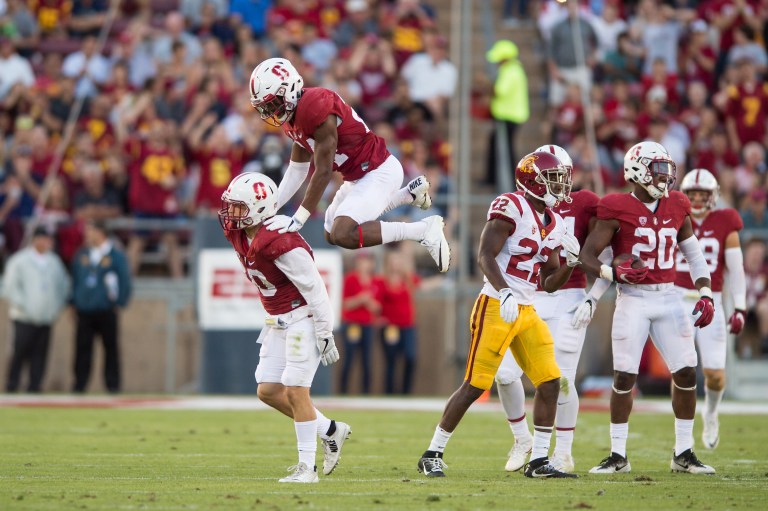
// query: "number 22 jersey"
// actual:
[[528, 246]]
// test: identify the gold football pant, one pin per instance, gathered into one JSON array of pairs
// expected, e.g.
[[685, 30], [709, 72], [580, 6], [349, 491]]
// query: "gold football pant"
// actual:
[[528, 338]]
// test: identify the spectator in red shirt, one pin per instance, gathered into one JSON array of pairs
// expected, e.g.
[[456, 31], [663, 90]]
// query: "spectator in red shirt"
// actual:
[[718, 156], [398, 332], [373, 64], [697, 57], [746, 110], [360, 308]]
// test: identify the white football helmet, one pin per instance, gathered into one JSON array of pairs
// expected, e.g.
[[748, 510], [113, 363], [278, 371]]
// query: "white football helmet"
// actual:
[[701, 180], [249, 199], [275, 89], [646, 160], [561, 154]]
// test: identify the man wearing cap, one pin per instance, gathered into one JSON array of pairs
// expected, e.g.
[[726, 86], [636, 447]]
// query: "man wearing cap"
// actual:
[[509, 106], [36, 284], [101, 285]]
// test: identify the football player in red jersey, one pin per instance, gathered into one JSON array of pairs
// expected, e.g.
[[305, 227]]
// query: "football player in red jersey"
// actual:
[[567, 313], [329, 133], [648, 223], [718, 234], [299, 331]]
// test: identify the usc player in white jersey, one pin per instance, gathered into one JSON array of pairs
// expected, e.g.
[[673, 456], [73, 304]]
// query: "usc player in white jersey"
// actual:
[[718, 233], [567, 313], [519, 248]]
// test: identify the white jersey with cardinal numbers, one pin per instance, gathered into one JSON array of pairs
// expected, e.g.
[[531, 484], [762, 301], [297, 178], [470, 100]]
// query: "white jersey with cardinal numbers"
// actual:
[[528, 246]]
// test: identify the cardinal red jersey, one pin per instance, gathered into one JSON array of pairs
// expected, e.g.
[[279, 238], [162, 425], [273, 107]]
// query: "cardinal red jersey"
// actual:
[[748, 106], [358, 149], [397, 302], [148, 169], [353, 286], [650, 235], [278, 293], [711, 232], [577, 215]]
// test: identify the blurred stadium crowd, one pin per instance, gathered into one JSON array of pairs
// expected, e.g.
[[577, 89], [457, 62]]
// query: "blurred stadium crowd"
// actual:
[[166, 123]]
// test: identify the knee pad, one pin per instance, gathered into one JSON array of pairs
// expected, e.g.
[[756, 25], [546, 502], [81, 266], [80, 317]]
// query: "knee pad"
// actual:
[[506, 377], [297, 377]]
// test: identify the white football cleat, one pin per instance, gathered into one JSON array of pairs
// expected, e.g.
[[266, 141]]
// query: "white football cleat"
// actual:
[[687, 461], [562, 461], [332, 447], [434, 240], [419, 190], [301, 474], [711, 433], [518, 455]]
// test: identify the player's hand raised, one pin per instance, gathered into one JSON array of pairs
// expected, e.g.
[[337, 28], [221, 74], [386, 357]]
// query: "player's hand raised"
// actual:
[[283, 224], [508, 305], [705, 309], [736, 322], [328, 351]]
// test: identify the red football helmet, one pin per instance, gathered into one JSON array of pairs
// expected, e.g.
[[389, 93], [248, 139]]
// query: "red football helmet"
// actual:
[[544, 176]]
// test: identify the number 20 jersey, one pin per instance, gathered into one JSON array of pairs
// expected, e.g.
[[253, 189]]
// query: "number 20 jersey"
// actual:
[[278, 293], [711, 233], [528, 246], [650, 235]]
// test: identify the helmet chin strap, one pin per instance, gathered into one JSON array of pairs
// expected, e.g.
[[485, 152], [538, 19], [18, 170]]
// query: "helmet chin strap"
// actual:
[[550, 200]]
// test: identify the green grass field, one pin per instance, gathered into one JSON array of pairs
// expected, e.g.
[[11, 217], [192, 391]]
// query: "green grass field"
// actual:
[[112, 459]]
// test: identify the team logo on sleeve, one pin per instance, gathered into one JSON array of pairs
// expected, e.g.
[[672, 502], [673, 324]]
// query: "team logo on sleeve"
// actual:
[[643, 220]]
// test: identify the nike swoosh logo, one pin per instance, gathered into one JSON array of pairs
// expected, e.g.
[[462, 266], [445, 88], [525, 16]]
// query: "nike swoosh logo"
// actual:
[[251, 264], [708, 233], [665, 222], [325, 347], [565, 211]]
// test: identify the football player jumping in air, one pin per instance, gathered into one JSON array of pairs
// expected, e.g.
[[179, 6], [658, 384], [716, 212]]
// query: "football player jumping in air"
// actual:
[[299, 331], [649, 223], [329, 133], [567, 313], [519, 247], [718, 233]]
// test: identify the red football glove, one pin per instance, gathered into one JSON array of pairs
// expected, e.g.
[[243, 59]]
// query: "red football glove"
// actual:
[[736, 321], [706, 307], [626, 274]]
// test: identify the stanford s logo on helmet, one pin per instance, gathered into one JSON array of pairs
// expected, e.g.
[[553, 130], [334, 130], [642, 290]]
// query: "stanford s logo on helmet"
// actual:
[[544, 176], [249, 199], [275, 88], [701, 180]]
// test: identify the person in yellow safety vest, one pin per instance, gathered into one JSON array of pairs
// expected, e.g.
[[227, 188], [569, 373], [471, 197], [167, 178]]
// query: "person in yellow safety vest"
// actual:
[[509, 105]]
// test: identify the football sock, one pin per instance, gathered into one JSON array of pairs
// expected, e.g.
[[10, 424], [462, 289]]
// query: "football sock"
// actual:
[[439, 440], [683, 435], [399, 198], [619, 433], [564, 440], [541, 441], [398, 231], [306, 441], [324, 425], [512, 397], [712, 400]]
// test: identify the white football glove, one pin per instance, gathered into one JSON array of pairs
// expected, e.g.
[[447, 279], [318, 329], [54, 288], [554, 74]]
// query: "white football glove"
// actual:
[[283, 224], [508, 305], [584, 312], [571, 248], [328, 351]]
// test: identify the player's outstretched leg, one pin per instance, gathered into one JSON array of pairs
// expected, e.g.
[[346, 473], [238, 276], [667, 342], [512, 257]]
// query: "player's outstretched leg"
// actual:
[[437, 245], [544, 410], [714, 381], [415, 193], [621, 407], [512, 397], [684, 406]]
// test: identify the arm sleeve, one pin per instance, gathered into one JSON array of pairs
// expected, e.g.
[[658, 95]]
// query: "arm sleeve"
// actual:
[[299, 266], [692, 252], [294, 177], [737, 282], [601, 285]]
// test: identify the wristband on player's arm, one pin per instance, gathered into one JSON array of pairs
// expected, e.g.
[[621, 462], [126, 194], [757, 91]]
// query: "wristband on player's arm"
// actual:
[[607, 273], [302, 215]]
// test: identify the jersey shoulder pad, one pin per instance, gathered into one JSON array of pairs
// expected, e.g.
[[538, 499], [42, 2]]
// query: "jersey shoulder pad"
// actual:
[[280, 244], [315, 105], [732, 220], [609, 206], [680, 200], [588, 201], [507, 207]]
